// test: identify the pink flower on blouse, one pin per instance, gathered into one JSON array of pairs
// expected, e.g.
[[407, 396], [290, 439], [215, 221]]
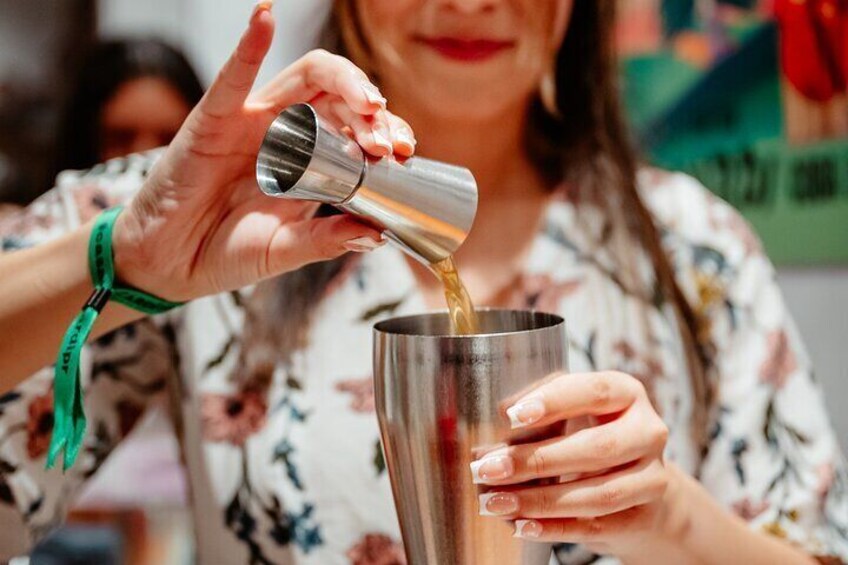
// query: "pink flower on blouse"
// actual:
[[376, 549], [39, 425], [748, 510], [9, 210], [721, 217], [361, 391], [128, 414], [780, 361], [23, 223], [644, 368], [826, 476], [232, 418], [541, 292], [91, 200]]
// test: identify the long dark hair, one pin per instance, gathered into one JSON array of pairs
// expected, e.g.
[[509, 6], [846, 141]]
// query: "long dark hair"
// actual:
[[589, 149], [106, 68]]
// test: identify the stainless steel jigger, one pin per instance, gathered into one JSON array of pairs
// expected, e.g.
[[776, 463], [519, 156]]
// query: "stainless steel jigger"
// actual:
[[441, 402], [425, 206]]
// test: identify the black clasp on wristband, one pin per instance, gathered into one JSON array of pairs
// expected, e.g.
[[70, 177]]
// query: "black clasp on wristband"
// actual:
[[98, 299]]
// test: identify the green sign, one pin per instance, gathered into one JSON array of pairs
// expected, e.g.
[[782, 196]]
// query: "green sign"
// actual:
[[724, 125], [795, 197]]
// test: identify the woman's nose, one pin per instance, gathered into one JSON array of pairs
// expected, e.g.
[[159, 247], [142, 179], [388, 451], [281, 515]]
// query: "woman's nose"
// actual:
[[470, 6]]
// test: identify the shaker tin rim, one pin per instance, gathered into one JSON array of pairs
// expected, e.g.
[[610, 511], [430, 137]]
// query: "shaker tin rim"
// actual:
[[380, 328]]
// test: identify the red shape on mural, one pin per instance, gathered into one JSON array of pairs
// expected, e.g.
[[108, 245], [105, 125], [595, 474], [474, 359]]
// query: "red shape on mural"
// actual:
[[814, 46]]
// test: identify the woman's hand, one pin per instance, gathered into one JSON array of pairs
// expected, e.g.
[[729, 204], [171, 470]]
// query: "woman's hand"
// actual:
[[200, 225], [616, 493]]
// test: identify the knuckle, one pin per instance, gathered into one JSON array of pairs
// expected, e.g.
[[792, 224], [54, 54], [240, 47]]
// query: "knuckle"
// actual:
[[546, 503], [323, 246], [310, 57], [606, 446], [628, 381], [660, 485], [316, 58], [593, 528], [319, 54], [637, 387], [348, 65], [601, 390], [659, 435], [537, 463], [610, 497]]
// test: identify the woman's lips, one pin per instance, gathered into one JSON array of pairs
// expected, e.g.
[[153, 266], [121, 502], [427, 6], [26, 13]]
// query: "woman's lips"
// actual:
[[467, 50]]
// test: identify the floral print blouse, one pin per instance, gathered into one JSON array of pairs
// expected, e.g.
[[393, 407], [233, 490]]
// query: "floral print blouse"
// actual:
[[294, 474]]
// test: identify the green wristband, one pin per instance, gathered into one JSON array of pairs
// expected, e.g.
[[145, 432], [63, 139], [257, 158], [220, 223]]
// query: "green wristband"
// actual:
[[68, 413]]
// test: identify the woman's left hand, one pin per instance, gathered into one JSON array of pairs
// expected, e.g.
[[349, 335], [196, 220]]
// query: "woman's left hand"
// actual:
[[616, 490]]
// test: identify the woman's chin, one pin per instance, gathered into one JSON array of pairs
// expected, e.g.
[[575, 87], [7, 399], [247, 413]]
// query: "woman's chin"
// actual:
[[469, 103]]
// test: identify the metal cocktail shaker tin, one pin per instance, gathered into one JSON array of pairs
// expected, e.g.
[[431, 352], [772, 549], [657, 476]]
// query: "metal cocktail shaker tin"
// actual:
[[427, 207], [441, 402]]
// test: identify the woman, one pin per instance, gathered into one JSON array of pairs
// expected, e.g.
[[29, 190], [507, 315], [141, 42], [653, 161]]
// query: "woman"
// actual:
[[129, 96], [701, 371]]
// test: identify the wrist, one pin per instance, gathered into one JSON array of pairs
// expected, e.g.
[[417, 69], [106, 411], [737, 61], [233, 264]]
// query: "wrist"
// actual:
[[697, 529], [128, 250], [133, 263], [667, 540], [675, 517]]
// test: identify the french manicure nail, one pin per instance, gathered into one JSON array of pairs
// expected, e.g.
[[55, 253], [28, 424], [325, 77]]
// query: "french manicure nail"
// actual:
[[527, 529], [498, 503], [404, 136], [382, 140], [362, 244], [491, 469], [263, 5], [526, 412], [372, 94]]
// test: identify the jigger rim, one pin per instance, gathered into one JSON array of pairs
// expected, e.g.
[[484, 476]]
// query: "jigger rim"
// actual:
[[268, 183], [551, 321]]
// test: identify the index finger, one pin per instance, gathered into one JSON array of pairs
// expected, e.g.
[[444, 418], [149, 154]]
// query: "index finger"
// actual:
[[571, 395], [320, 72], [231, 87]]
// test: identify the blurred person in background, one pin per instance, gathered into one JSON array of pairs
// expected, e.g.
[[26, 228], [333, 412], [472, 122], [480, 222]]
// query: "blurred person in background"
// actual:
[[130, 96], [695, 429]]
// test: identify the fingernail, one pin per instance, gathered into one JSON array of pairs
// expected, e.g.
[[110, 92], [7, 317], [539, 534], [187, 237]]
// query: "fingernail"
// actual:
[[404, 136], [498, 503], [263, 5], [382, 140], [526, 412], [362, 244], [491, 469], [527, 529], [372, 94]]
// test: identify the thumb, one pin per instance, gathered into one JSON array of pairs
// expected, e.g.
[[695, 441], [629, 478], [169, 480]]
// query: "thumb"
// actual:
[[319, 239]]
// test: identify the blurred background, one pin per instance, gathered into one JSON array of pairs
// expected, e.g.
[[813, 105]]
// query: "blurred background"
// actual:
[[748, 95]]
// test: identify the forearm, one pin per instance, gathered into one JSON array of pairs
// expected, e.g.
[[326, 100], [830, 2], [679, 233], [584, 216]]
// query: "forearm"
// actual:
[[701, 531], [41, 290]]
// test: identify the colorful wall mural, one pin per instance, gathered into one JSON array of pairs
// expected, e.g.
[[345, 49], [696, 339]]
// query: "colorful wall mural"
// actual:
[[750, 97]]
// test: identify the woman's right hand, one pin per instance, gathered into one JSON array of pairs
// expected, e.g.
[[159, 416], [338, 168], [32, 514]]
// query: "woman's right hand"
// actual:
[[200, 225]]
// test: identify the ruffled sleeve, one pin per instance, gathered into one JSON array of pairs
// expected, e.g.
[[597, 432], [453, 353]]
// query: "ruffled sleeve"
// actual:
[[121, 373], [774, 458]]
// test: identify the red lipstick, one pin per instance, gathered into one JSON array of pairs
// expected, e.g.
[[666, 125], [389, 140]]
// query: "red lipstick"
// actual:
[[466, 50]]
